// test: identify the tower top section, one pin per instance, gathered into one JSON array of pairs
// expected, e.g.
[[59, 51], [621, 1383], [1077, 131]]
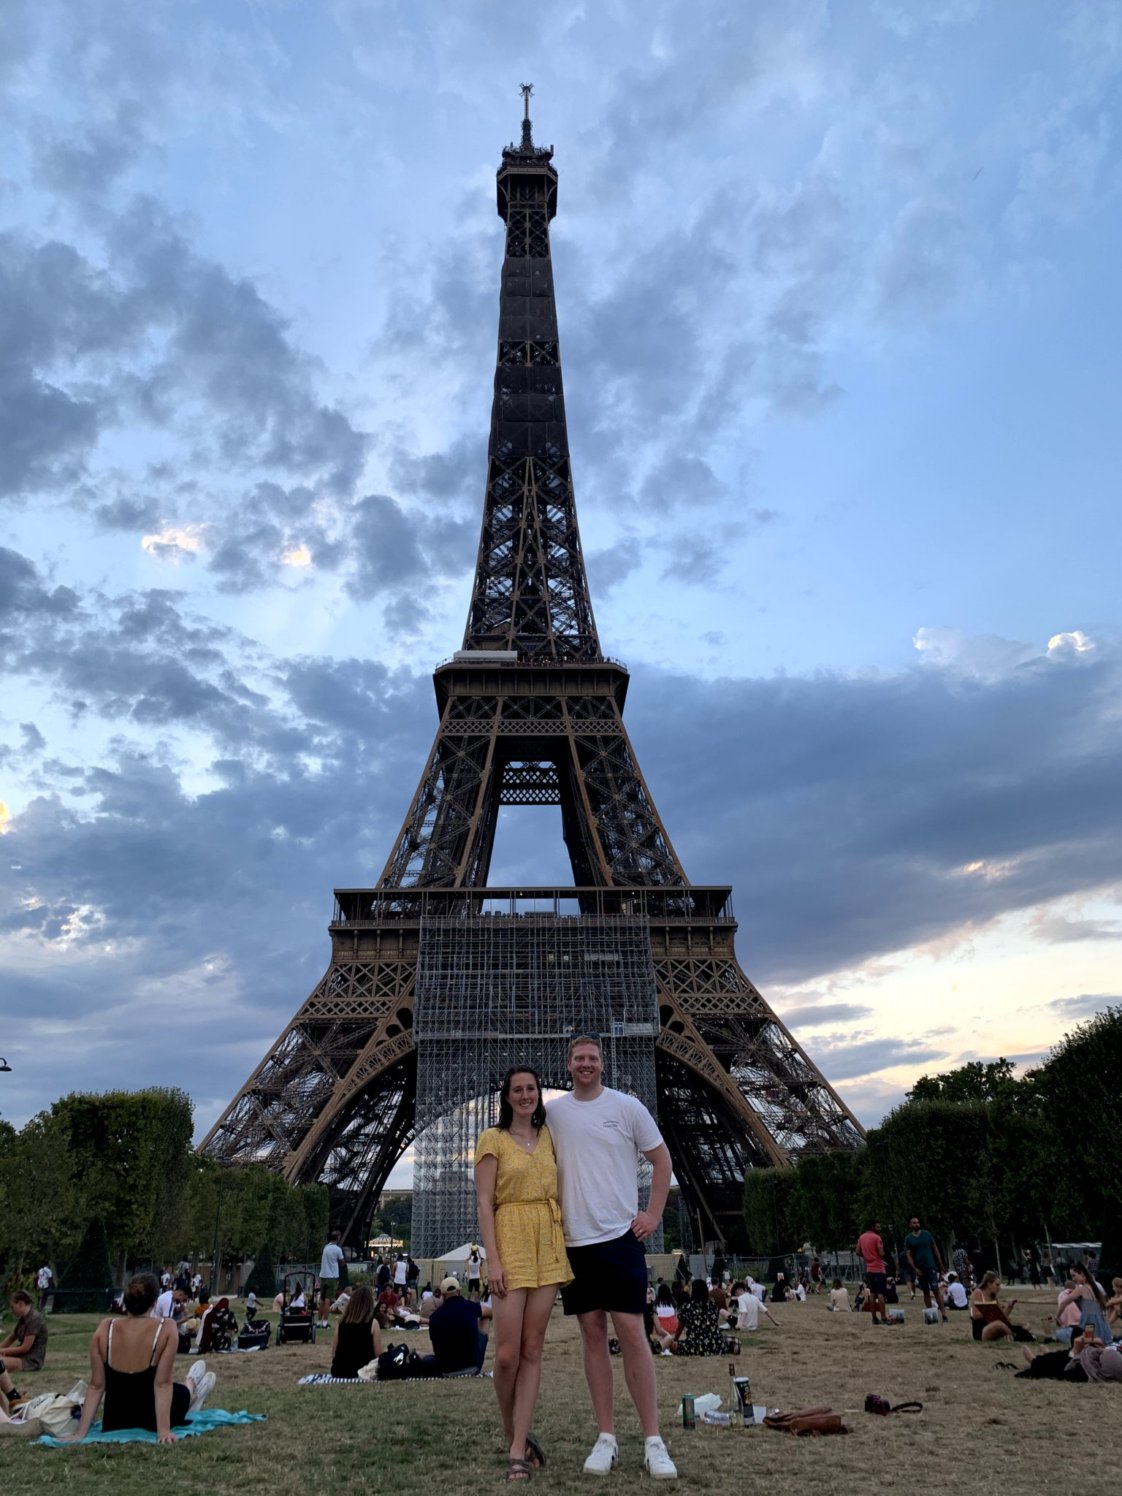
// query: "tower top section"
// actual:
[[530, 598], [527, 160]]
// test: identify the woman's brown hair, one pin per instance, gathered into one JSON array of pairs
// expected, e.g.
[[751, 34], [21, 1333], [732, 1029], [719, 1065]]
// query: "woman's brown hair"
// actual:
[[360, 1308]]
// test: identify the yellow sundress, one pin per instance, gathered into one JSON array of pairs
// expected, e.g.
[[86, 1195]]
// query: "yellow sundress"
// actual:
[[528, 1230]]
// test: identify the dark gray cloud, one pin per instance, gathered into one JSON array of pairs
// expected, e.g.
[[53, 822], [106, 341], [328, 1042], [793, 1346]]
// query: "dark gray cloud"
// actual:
[[844, 1060], [1085, 1005], [858, 816], [812, 1015]]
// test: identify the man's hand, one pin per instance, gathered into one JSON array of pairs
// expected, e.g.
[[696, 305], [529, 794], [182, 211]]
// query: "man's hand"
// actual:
[[644, 1225]]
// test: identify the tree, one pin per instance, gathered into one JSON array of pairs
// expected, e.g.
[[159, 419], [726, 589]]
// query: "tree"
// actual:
[[932, 1159], [826, 1203], [1079, 1082], [131, 1152], [263, 1279], [768, 1196], [43, 1209], [88, 1277], [976, 1081]]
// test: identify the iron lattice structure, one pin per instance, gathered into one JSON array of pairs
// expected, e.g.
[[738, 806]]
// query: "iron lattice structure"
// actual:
[[502, 987], [436, 980]]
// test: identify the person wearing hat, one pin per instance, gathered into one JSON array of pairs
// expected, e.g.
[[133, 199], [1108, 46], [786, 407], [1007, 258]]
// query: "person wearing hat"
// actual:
[[458, 1344]]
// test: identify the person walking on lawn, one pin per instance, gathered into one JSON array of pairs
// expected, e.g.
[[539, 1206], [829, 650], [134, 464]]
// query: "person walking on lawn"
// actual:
[[926, 1262], [599, 1135]]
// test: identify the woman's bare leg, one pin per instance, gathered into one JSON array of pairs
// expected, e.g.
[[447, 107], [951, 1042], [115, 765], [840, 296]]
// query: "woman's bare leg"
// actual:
[[508, 1312], [539, 1306]]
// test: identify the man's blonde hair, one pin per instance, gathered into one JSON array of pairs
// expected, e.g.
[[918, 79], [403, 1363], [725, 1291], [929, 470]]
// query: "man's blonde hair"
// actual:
[[578, 1039]]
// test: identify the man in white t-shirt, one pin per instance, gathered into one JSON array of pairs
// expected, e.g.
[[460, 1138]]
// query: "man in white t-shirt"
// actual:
[[749, 1308], [598, 1136], [329, 1265]]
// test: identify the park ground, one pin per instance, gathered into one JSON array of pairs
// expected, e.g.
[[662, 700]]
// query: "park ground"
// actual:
[[981, 1430]]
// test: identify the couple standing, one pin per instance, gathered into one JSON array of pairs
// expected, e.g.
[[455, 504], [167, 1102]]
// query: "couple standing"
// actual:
[[580, 1170]]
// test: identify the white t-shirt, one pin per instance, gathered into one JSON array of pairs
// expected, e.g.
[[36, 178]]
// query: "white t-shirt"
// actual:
[[44, 1277], [598, 1144], [400, 1272], [957, 1294], [329, 1262], [747, 1312], [165, 1305]]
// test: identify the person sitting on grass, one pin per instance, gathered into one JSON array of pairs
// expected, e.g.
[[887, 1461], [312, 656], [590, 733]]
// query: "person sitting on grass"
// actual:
[[956, 1296], [1091, 1300], [25, 1347], [357, 1340], [1114, 1303], [699, 1326], [458, 1342], [989, 1319], [839, 1297], [131, 1363], [749, 1308]]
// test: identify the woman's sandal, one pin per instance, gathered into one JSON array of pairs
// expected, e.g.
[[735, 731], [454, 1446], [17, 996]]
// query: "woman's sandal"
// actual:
[[519, 1470], [535, 1454]]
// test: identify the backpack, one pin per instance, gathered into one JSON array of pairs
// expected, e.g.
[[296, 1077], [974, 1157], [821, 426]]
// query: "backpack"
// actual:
[[399, 1363]]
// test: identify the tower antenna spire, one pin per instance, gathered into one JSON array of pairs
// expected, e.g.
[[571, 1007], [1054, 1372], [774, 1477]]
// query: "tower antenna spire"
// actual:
[[527, 132]]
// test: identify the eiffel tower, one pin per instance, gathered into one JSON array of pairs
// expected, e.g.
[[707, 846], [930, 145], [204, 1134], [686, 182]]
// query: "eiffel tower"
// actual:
[[437, 980]]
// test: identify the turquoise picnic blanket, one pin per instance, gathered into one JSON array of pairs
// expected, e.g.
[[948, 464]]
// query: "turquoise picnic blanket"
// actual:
[[197, 1423]]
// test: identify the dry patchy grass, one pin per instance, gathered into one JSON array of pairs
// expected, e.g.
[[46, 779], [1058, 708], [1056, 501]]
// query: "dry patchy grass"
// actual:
[[981, 1430]]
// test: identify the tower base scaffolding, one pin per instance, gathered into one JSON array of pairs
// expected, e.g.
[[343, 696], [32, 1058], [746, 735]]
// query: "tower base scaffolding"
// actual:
[[496, 990]]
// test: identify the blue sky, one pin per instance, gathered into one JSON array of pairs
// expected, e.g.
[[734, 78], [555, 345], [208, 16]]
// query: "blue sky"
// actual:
[[839, 321]]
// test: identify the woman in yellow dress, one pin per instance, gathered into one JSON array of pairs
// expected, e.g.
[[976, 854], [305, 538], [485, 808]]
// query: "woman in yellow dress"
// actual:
[[520, 1222]]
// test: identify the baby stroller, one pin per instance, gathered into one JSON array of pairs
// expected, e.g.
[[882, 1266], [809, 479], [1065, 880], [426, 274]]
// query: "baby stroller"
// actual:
[[294, 1324], [255, 1333]]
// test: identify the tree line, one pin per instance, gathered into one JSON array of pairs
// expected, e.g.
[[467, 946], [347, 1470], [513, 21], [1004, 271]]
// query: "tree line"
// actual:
[[98, 1185], [980, 1155]]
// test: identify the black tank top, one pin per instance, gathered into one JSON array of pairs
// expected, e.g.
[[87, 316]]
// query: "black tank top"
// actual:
[[130, 1396], [355, 1349]]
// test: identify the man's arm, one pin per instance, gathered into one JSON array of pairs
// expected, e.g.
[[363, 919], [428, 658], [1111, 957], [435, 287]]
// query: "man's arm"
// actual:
[[646, 1223]]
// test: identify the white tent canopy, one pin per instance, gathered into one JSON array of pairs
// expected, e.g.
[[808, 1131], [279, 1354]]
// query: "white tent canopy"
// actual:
[[461, 1254]]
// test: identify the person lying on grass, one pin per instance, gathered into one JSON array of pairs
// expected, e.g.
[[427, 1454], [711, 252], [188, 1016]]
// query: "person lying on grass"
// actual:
[[131, 1363]]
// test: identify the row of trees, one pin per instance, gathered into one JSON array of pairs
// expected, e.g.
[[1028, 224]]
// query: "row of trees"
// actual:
[[978, 1154], [114, 1179]]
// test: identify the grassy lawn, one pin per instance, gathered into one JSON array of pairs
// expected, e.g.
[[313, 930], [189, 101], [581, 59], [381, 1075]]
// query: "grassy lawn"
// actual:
[[981, 1430]]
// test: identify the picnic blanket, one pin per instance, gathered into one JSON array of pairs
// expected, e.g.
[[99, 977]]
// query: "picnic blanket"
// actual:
[[325, 1379], [197, 1423]]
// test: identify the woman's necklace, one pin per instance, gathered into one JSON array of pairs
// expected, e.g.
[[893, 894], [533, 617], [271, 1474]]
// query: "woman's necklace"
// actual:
[[526, 1142]]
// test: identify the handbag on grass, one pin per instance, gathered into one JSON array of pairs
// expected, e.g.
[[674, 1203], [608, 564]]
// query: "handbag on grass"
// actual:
[[818, 1420], [875, 1404]]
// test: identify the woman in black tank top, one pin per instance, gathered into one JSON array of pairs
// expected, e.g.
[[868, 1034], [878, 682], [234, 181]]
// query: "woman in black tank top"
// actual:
[[137, 1395], [358, 1341]]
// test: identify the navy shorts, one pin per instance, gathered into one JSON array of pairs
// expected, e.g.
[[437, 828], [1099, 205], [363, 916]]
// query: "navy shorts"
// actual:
[[878, 1284], [610, 1275], [927, 1277]]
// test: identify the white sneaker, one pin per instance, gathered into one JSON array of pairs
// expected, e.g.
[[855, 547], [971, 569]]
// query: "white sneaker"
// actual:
[[195, 1373], [658, 1462], [203, 1388], [604, 1454]]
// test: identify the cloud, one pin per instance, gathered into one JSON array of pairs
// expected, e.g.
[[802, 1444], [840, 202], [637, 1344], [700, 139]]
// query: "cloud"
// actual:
[[814, 1015], [858, 802], [1084, 1004], [840, 1061]]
